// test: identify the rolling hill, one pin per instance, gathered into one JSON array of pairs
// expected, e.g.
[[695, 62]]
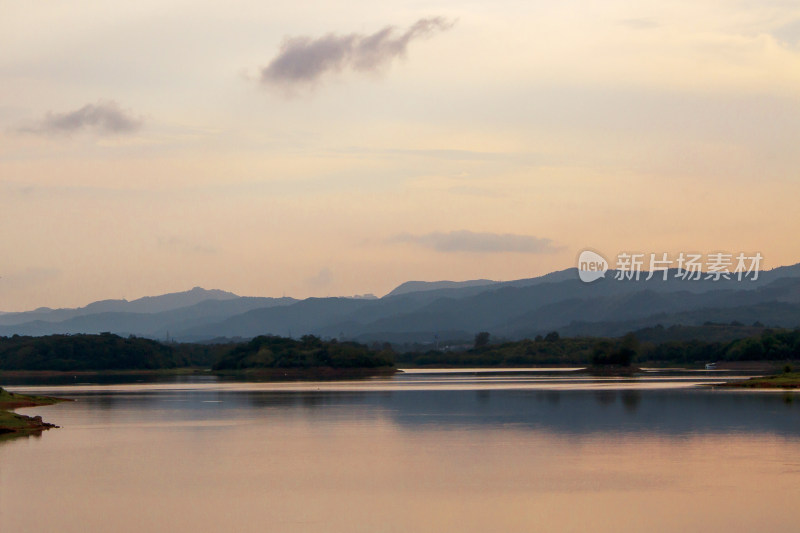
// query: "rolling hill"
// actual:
[[423, 311]]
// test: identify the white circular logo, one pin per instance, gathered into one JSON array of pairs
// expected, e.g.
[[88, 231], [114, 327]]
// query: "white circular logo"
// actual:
[[591, 266]]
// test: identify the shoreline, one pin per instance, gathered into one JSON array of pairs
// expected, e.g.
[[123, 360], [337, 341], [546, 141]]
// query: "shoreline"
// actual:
[[785, 381], [278, 374], [324, 373], [131, 372], [14, 424]]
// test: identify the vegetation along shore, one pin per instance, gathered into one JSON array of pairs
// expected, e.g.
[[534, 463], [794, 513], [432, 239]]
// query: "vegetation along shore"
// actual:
[[785, 380], [14, 424]]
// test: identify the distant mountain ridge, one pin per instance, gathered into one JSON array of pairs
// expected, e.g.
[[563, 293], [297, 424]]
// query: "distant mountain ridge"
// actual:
[[419, 311], [421, 286], [148, 304]]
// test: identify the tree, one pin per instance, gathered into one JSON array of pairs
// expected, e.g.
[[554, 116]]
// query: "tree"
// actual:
[[601, 353], [482, 339], [553, 336], [628, 350], [605, 353]]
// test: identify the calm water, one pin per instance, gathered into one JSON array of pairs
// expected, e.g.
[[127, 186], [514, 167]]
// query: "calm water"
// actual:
[[435, 452]]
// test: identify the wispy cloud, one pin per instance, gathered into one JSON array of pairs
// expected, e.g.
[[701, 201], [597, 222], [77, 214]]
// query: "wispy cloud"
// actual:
[[644, 23], [105, 117], [29, 277], [468, 241], [532, 158], [321, 280], [185, 246], [303, 61], [789, 34]]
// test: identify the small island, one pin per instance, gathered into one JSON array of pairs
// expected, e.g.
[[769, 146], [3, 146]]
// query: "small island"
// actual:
[[276, 358], [13, 424], [615, 358]]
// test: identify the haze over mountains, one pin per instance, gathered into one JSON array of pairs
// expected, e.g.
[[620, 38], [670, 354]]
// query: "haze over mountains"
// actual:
[[419, 311]]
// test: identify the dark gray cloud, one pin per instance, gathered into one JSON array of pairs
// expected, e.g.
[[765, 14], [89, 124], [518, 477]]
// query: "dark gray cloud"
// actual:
[[468, 241], [103, 117], [304, 60]]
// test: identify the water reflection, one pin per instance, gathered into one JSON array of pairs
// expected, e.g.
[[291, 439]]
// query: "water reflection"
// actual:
[[631, 400], [197, 457], [675, 412]]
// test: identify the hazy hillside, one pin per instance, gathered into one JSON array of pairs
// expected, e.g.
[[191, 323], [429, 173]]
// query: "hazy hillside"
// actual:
[[423, 311], [420, 286], [148, 304], [155, 325]]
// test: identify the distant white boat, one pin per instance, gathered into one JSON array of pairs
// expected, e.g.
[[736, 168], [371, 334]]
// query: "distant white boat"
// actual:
[[711, 366]]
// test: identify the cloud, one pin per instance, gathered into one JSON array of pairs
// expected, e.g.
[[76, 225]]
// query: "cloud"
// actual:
[[640, 23], [185, 246], [304, 60], [29, 277], [789, 34], [321, 280], [105, 117], [468, 241]]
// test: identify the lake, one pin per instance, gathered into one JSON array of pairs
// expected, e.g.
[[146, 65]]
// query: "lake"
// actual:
[[421, 451]]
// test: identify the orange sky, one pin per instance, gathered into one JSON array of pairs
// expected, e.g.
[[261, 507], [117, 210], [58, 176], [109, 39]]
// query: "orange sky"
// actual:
[[269, 149]]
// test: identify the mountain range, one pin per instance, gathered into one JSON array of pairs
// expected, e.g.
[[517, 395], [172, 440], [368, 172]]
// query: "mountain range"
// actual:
[[419, 311]]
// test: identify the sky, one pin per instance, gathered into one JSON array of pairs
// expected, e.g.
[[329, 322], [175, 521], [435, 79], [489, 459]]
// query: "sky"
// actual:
[[339, 148]]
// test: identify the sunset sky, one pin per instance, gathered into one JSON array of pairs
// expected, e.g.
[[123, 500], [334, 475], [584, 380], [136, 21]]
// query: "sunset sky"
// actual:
[[340, 148]]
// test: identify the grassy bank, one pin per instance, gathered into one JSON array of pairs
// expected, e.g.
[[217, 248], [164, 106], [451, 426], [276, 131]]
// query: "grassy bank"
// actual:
[[786, 380], [12, 424]]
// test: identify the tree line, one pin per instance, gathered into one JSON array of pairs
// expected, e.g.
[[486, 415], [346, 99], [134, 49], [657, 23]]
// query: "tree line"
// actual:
[[269, 351], [107, 351], [552, 349]]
